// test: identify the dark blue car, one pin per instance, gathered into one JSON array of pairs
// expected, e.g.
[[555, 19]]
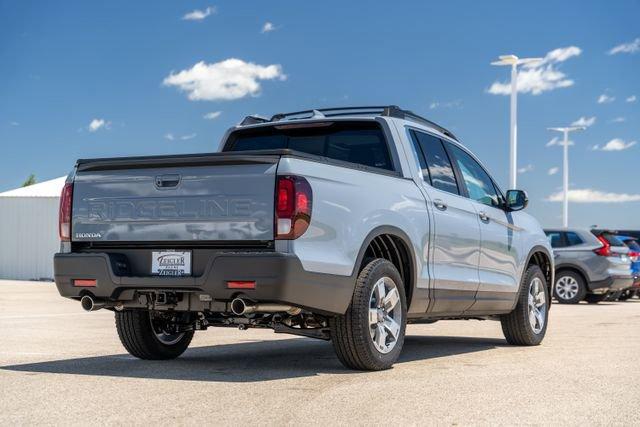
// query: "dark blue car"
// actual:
[[634, 255]]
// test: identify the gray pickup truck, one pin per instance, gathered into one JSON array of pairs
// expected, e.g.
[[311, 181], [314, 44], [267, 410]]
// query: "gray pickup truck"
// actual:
[[339, 224]]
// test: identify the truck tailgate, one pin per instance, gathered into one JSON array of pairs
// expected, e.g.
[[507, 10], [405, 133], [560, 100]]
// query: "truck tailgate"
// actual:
[[214, 197]]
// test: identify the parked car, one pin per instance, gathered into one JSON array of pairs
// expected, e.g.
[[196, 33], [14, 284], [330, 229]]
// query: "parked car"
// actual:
[[616, 246], [634, 256], [587, 267], [338, 224]]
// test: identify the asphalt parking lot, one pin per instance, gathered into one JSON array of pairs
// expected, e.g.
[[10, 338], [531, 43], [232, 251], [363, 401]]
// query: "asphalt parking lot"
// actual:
[[59, 365]]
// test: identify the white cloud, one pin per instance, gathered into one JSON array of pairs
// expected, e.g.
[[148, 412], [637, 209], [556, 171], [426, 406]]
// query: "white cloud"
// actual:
[[584, 121], [557, 141], [449, 104], [632, 98], [618, 120], [588, 195], [631, 47], [541, 76], [212, 115], [226, 80], [199, 15], [97, 124], [557, 55], [615, 144], [605, 99], [553, 171], [268, 27], [172, 137], [525, 169]]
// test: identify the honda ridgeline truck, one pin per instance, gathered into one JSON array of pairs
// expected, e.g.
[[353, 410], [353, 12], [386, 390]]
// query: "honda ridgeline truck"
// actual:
[[339, 224]]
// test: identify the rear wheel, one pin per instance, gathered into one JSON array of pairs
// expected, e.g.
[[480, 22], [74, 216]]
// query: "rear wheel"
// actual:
[[150, 335], [626, 295], [569, 288], [527, 323], [370, 335]]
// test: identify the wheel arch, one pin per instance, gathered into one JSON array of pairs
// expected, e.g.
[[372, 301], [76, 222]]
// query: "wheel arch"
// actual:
[[393, 244], [574, 268], [540, 256]]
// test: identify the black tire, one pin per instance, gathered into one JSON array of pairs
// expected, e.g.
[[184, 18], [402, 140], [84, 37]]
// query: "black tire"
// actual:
[[516, 326], [582, 287], [350, 333], [140, 340], [625, 295], [595, 298]]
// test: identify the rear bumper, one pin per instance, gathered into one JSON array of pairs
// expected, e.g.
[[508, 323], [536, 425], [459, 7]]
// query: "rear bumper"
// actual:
[[279, 278], [600, 286], [621, 283]]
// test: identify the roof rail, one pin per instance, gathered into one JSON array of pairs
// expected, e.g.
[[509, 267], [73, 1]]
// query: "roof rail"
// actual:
[[384, 110]]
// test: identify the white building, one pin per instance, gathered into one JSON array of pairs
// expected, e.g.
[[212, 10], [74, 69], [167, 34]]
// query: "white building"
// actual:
[[29, 230]]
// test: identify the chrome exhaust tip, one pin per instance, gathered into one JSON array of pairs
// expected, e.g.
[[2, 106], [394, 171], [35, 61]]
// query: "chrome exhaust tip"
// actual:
[[89, 304], [238, 306]]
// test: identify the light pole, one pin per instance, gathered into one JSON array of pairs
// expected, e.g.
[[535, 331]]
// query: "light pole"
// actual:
[[565, 171], [513, 61]]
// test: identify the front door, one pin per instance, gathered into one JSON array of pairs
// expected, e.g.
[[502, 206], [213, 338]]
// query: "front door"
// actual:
[[499, 237], [454, 244]]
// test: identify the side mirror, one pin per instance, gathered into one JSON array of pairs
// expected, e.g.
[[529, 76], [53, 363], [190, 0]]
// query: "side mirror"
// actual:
[[516, 200]]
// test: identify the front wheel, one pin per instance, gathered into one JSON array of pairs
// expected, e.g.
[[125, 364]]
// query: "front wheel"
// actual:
[[370, 335], [149, 335], [527, 323]]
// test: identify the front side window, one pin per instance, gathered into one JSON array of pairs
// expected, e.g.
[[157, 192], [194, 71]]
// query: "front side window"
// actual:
[[438, 164], [361, 142], [478, 182]]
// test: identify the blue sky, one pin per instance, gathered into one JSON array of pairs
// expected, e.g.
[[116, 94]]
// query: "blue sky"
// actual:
[[118, 78]]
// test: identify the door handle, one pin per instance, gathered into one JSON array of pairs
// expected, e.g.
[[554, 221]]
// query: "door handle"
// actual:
[[439, 204], [167, 181], [483, 216]]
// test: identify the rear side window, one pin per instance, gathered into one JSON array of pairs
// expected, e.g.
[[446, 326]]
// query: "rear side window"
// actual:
[[633, 245], [439, 167], [555, 239], [355, 142], [573, 239]]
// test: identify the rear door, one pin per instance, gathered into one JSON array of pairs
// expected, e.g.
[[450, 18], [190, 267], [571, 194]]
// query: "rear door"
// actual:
[[500, 238], [455, 240], [218, 197]]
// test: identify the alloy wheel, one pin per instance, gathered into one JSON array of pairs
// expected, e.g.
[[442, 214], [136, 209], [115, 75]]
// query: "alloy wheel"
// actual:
[[567, 287], [385, 315], [537, 305], [158, 325]]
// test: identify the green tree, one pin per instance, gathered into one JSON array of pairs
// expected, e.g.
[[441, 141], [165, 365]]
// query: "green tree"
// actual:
[[29, 181]]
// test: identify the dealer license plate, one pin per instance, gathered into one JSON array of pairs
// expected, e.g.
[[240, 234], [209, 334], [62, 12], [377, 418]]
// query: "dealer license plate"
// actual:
[[171, 263]]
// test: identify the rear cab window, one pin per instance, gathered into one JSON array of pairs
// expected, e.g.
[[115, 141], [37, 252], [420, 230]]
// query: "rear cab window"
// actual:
[[358, 142]]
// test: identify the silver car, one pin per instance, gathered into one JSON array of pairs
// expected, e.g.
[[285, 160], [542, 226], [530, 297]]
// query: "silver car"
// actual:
[[587, 267]]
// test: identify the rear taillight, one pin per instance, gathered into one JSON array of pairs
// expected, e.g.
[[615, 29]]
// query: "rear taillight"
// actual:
[[64, 214], [605, 250], [293, 207]]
